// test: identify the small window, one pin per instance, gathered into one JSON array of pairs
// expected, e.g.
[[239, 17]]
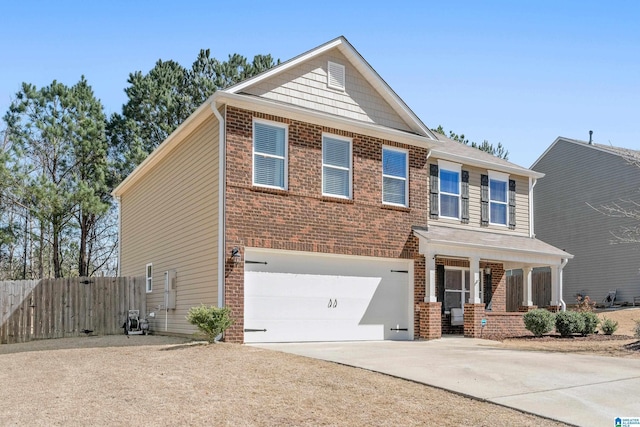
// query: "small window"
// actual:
[[449, 190], [336, 167], [395, 176], [335, 76], [149, 277], [270, 155], [498, 198]]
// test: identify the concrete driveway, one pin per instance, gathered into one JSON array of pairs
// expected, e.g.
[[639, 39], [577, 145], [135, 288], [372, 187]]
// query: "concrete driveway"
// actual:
[[577, 389]]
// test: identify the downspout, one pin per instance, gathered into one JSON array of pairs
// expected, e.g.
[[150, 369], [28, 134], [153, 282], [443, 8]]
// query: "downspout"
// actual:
[[119, 235], [562, 303], [532, 184], [221, 200]]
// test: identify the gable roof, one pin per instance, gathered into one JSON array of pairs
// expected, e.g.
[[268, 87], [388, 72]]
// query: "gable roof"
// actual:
[[462, 153], [359, 63], [610, 149]]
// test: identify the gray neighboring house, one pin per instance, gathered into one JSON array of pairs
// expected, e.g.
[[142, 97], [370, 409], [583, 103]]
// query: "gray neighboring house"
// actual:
[[581, 176]]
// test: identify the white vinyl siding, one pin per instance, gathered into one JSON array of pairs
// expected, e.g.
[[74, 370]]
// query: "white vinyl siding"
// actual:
[[270, 155], [449, 189], [395, 176], [336, 167], [149, 277], [498, 198]]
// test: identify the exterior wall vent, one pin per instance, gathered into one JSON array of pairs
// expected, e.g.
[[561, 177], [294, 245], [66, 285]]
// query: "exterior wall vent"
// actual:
[[335, 76]]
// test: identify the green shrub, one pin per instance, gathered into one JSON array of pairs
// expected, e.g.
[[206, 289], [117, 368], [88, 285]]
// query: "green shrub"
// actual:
[[636, 329], [539, 321], [211, 321], [591, 322], [569, 322], [608, 326]]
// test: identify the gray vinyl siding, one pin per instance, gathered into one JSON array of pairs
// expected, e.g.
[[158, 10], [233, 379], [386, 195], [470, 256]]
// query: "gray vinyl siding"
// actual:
[[170, 218], [522, 204], [578, 175], [306, 86]]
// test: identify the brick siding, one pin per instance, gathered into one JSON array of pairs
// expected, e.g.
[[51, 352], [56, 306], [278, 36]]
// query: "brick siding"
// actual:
[[301, 219]]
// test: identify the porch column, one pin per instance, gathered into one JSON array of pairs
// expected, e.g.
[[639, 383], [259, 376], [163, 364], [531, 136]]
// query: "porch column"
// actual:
[[556, 297], [474, 276], [430, 279], [527, 298]]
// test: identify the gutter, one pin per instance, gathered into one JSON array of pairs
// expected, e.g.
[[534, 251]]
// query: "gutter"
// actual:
[[221, 200], [117, 198]]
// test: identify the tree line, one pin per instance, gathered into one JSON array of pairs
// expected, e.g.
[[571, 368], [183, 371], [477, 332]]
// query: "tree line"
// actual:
[[61, 156]]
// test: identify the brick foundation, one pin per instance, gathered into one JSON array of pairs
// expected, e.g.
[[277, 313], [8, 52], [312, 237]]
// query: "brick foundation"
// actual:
[[505, 325], [473, 315]]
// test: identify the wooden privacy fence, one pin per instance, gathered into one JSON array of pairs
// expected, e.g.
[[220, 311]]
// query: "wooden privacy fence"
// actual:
[[58, 308], [540, 290]]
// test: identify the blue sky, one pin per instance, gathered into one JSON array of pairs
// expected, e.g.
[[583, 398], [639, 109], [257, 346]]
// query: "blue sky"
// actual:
[[516, 72]]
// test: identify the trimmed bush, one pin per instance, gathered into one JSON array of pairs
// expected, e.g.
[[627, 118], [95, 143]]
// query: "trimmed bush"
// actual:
[[211, 321], [608, 326], [591, 322], [569, 323], [636, 329], [539, 321]]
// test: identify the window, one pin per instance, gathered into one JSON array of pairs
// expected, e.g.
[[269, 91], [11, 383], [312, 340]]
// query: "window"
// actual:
[[449, 190], [149, 277], [456, 288], [336, 167], [395, 176], [269, 155], [498, 198]]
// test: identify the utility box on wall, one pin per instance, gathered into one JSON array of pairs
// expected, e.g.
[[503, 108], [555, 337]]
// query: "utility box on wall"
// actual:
[[170, 289]]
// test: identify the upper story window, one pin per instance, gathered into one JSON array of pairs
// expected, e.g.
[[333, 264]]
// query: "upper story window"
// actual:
[[336, 166], [270, 154], [498, 201], [449, 189], [149, 277], [395, 176]]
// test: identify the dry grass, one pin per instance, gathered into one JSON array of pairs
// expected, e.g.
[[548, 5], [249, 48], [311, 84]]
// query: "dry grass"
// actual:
[[154, 380], [621, 344]]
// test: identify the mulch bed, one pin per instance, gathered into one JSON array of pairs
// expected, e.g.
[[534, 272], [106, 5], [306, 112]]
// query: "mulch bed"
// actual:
[[556, 337]]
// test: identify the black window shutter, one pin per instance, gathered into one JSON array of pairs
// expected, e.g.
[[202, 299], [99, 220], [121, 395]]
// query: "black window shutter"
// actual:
[[464, 193], [440, 284], [434, 189], [484, 200], [512, 204]]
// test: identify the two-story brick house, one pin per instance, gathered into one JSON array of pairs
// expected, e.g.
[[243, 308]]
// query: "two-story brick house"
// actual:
[[316, 205]]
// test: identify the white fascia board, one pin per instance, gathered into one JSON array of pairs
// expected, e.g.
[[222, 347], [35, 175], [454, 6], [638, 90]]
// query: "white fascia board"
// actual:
[[254, 103], [177, 136], [505, 254], [486, 164]]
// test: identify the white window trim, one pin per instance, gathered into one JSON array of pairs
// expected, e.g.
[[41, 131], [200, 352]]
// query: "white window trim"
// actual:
[[148, 278], [453, 167], [465, 286], [406, 179], [344, 76], [502, 177], [350, 169], [286, 153]]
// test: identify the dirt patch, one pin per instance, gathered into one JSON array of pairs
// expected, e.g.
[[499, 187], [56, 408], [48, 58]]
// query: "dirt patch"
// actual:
[[625, 317], [154, 380]]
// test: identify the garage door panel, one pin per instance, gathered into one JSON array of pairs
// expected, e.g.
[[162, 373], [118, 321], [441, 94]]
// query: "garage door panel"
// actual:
[[307, 297]]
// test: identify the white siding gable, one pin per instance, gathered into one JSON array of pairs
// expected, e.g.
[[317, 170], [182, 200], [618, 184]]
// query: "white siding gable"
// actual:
[[306, 86]]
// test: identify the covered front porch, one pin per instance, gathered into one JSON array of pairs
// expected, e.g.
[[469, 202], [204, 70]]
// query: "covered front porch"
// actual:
[[465, 280]]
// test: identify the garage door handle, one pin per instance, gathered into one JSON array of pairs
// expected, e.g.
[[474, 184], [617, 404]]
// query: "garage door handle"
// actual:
[[399, 329], [332, 303]]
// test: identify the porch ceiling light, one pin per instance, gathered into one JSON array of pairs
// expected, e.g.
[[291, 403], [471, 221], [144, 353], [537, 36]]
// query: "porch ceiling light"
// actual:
[[487, 270]]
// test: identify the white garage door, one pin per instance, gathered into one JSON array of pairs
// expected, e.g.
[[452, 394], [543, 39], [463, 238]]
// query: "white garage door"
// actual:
[[296, 296]]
